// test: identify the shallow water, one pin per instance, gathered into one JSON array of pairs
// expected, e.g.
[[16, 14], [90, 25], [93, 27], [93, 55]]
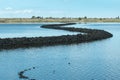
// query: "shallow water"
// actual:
[[28, 30], [98, 60]]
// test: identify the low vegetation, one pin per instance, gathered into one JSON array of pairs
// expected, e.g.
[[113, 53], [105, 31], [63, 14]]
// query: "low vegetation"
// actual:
[[34, 19]]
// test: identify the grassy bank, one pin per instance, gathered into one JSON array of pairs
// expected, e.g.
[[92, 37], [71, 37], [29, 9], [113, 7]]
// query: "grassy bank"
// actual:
[[79, 20]]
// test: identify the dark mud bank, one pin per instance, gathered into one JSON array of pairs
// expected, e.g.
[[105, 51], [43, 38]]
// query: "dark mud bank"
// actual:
[[90, 35], [22, 76]]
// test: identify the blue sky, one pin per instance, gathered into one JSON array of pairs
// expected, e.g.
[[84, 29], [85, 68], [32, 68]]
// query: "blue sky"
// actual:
[[59, 8]]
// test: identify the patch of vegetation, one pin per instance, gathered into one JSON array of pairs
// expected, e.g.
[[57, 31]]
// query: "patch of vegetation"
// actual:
[[56, 19]]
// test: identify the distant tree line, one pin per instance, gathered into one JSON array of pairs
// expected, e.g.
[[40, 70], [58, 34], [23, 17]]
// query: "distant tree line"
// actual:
[[79, 18], [37, 17]]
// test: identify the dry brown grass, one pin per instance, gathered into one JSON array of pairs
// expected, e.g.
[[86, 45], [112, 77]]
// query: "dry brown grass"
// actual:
[[29, 20]]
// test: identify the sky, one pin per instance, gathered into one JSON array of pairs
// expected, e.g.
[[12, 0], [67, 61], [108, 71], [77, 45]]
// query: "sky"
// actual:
[[59, 8]]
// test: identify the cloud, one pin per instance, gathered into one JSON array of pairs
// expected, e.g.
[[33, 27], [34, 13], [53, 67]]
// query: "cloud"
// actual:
[[10, 12], [26, 11], [8, 8]]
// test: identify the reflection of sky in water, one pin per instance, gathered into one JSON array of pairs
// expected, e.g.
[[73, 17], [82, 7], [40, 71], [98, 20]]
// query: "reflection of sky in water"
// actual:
[[28, 30], [98, 60]]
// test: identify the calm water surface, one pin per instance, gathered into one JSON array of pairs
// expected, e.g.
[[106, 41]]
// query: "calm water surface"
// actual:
[[98, 60], [28, 30]]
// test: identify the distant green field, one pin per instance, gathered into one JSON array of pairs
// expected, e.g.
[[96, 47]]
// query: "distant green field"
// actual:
[[33, 20]]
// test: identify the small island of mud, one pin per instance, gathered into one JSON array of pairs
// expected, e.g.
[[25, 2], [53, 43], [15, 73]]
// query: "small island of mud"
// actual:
[[87, 36]]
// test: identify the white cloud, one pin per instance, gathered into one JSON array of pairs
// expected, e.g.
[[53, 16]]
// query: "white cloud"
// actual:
[[8, 8], [10, 12], [22, 11]]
